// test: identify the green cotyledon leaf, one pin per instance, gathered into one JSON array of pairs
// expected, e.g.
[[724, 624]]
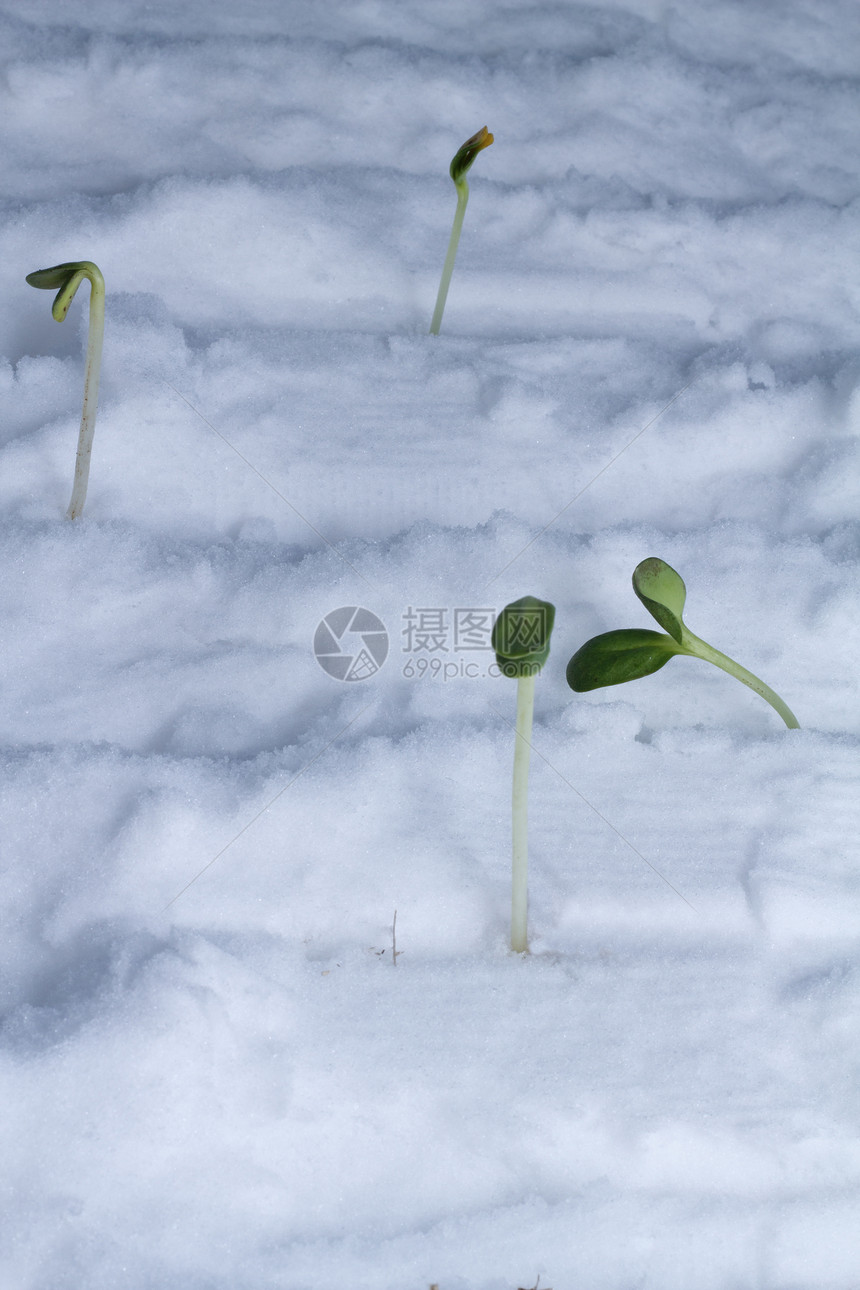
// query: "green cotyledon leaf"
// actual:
[[67, 277], [51, 279], [521, 636], [616, 657], [663, 594]]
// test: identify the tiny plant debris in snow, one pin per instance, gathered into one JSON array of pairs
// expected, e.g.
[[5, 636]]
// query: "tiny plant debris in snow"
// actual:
[[521, 640], [615, 657], [68, 277], [459, 169]]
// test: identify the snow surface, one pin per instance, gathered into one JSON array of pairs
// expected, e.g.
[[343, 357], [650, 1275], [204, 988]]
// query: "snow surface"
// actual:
[[212, 1075]]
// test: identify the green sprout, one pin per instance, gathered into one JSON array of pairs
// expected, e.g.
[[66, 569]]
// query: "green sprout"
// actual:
[[521, 641], [68, 277], [616, 657], [459, 169]]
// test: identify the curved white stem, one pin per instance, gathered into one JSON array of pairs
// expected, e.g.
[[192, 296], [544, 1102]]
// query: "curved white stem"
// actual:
[[95, 337], [701, 649], [522, 749], [448, 267]]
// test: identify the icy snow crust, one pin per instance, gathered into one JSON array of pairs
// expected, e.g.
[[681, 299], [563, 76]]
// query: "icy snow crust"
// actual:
[[213, 1076]]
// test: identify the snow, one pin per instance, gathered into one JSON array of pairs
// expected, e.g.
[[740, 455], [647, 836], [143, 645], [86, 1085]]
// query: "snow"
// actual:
[[214, 1074]]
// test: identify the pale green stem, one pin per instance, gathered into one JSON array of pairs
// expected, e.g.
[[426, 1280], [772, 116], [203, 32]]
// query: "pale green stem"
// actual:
[[701, 649], [448, 267], [522, 748], [91, 393]]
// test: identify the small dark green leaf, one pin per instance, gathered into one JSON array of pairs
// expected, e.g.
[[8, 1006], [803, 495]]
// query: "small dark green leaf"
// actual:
[[521, 636], [619, 656], [466, 155], [663, 594]]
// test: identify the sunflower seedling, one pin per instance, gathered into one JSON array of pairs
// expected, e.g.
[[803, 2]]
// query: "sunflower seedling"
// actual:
[[68, 277], [521, 640], [615, 657], [459, 169]]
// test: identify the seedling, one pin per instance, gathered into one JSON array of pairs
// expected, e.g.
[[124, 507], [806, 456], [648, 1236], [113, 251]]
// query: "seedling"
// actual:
[[459, 169], [68, 277], [625, 655], [521, 641]]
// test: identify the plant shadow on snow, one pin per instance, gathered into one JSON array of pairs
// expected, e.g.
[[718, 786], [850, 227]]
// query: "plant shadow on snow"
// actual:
[[222, 731], [825, 981], [76, 981]]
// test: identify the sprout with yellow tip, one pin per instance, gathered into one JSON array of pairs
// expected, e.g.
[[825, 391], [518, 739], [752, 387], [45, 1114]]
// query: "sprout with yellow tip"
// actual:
[[68, 277], [459, 169]]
